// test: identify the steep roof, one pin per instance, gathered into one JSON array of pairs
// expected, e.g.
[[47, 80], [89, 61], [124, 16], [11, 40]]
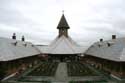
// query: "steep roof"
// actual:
[[10, 51], [62, 45], [111, 50], [63, 23]]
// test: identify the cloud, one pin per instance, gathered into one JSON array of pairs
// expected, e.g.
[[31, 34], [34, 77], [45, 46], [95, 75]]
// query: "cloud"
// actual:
[[38, 19]]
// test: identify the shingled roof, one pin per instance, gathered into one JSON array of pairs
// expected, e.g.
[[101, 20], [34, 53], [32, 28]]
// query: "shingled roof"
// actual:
[[62, 45], [111, 50], [14, 49], [63, 23]]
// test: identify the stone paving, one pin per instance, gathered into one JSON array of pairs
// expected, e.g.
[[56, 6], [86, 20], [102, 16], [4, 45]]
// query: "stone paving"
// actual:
[[61, 73]]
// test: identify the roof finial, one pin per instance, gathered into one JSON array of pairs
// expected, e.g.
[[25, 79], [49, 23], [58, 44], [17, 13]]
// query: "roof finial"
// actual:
[[62, 11]]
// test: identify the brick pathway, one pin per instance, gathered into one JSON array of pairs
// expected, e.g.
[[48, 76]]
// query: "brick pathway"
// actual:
[[61, 73]]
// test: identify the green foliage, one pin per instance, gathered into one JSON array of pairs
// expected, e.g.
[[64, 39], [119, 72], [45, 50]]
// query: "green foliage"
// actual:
[[79, 69], [2, 73], [46, 69]]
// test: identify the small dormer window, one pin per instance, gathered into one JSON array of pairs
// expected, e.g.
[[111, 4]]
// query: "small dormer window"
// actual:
[[99, 45], [108, 44], [15, 43], [25, 45]]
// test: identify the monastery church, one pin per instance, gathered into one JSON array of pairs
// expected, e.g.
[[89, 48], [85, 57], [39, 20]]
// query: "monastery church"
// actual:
[[63, 46], [22, 61]]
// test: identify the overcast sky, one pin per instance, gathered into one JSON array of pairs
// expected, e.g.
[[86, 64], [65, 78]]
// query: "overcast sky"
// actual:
[[37, 20]]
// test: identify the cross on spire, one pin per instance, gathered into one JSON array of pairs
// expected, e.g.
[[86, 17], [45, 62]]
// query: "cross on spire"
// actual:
[[63, 26], [62, 11]]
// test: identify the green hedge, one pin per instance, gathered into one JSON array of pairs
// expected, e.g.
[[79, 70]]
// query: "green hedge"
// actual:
[[45, 69], [79, 69]]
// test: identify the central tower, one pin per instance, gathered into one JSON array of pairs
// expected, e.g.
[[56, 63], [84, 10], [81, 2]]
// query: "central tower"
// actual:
[[63, 27]]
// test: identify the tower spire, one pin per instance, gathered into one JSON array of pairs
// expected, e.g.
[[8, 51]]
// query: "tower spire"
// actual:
[[63, 26], [62, 11], [63, 23]]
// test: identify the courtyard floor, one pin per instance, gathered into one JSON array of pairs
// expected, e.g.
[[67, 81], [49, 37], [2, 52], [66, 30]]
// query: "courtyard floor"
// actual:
[[61, 76]]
